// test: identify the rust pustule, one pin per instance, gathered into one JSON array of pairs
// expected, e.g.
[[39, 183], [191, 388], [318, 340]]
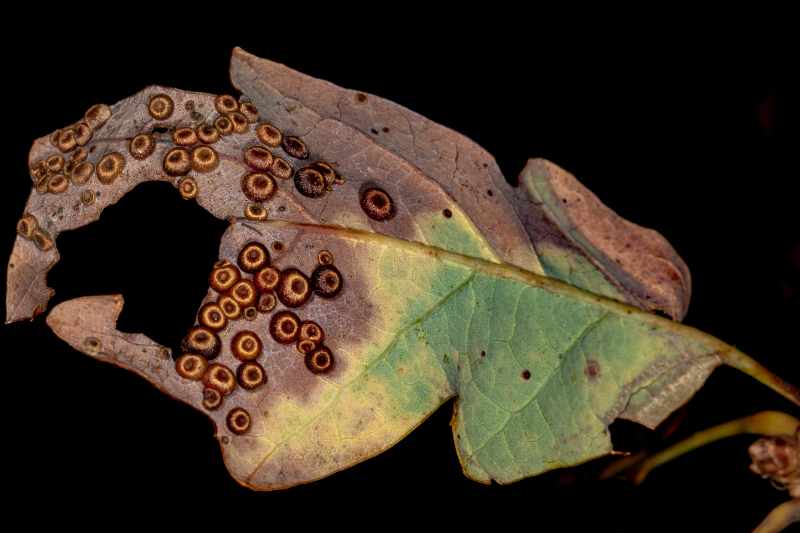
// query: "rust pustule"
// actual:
[[320, 361], [201, 341], [191, 366], [377, 204], [251, 375], [238, 421], [284, 327], [258, 187], [293, 288], [253, 257], [219, 377], [161, 107], [327, 281], [246, 345]]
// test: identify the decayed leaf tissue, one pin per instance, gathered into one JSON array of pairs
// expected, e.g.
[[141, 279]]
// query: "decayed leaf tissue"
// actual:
[[376, 265]]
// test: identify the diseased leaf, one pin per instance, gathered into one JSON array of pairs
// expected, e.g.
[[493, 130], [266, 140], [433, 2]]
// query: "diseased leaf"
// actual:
[[539, 367], [377, 264]]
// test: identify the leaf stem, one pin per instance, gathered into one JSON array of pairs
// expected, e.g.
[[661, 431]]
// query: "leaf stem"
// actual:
[[769, 423], [780, 518], [756, 370]]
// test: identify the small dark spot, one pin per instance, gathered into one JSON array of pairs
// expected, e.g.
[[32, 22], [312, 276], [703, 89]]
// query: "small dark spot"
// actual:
[[486, 165], [592, 369], [489, 192], [361, 97], [385, 129], [447, 213], [374, 131], [160, 129], [483, 353], [526, 375], [564, 200], [281, 208], [197, 117], [189, 105], [277, 246]]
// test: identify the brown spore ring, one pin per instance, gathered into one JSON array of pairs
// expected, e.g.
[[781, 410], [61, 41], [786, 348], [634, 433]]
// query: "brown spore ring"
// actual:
[[258, 187], [110, 167], [223, 277], [266, 302], [284, 327], [377, 204], [201, 341], [293, 288], [246, 346], [239, 122], [320, 361], [253, 257], [191, 366], [184, 136], [238, 421], [258, 158], [310, 183], [207, 134], [255, 212], [177, 162], [225, 103], [251, 375], [204, 159], [224, 125], [160, 107], [267, 279], [250, 313], [212, 317], [220, 378], [244, 292], [327, 281], [230, 307], [187, 187], [142, 146]]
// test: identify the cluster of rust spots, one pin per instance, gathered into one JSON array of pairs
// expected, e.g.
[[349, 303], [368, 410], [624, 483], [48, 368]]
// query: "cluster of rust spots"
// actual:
[[250, 286], [28, 228], [54, 173]]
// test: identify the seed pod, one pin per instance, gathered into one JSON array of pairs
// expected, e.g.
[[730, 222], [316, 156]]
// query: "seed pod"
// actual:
[[97, 115], [251, 375], [212, 399], [201, 341], [293, 288], [246, 346], [320, 361], [224, 125], [220, 378], [142, 146], [377, 204], [267, 279], [204, 159], [83, 133], [161, 107], [258, 158], [249, 111], [280, 168], [82, 172], [230, 307], [244, 293], [253, 257], [223, 277], [269, 135], [326, 281], [188, 188], [266, 302], [110, 167], [310, 183], [191, 366], [225, 103], [184, 136], [258, 187], [177, 162], [238, 421], [239, 121], [207, 134], [212, 317], [295, 147], [284, 327]]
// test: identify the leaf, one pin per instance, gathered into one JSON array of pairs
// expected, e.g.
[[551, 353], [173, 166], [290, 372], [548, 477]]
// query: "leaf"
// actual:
[[540, 368], [446, 191]]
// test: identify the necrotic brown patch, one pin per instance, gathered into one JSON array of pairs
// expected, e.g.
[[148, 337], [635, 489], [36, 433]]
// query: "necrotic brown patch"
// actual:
[[212, 317], [258, 187], [284, 327], [191, 366], [251, 375], [320, 361], [253, 257], [220, 378], [293, 288], [110, 167], [327, 281], [246, 345], [201, 341], [377, 204], [238, 421], [223, 277], [142, 146], [309, 182]]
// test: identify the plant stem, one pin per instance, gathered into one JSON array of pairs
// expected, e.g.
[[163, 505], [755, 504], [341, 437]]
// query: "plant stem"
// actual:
[[781, 517], [756, 370], [769, 423]]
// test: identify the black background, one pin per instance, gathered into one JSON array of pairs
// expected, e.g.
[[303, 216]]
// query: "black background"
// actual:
[[692, 141]]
